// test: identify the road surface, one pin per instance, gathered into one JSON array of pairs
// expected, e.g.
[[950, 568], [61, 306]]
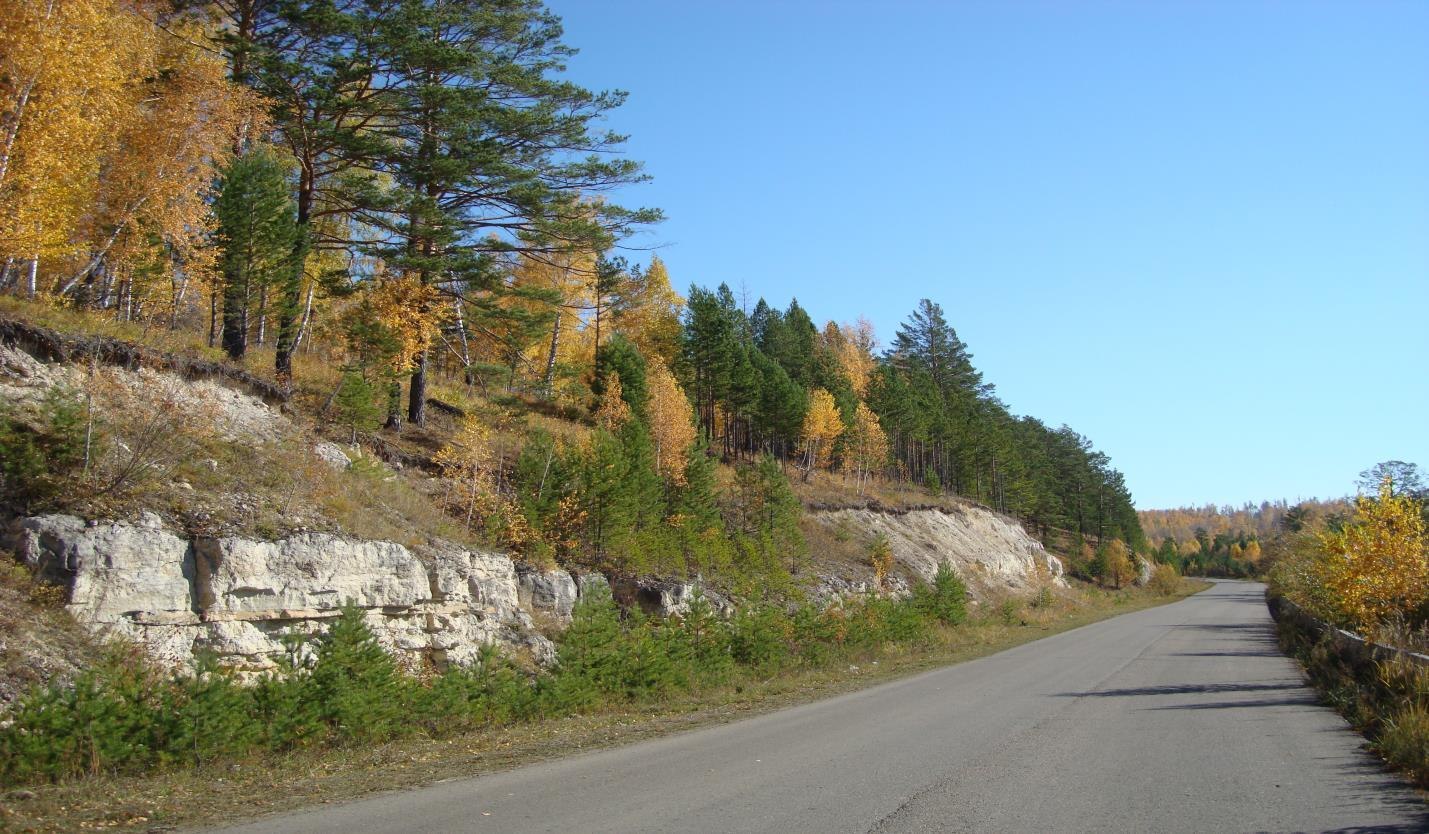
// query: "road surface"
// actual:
[[1178, 718]]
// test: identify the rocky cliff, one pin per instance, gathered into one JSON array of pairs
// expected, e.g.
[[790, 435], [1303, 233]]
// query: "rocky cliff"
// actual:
[[237, 597], [235, 586], [992, 553]]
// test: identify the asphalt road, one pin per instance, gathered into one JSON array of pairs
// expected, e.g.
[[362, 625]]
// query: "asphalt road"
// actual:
[[1178, 718]]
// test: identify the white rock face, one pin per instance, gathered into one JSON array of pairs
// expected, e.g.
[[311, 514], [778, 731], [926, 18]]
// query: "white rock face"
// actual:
[[485, 581], [237, 598], [233, 415], [668, 598], [988, 551], [115, 571], [306, 572], [1144, 571], [23, 378], [550, 592]]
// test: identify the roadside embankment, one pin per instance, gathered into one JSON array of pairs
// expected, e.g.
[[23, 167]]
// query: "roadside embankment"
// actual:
[[1382, 690]]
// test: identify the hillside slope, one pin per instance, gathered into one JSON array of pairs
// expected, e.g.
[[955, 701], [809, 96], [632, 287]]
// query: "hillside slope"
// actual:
[[246, 525]]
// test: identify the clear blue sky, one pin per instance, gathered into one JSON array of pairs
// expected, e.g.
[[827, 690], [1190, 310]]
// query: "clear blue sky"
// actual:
[[1196, 232]]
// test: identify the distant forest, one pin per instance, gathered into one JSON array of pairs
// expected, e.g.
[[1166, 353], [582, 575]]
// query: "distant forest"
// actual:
[[1259, 521]]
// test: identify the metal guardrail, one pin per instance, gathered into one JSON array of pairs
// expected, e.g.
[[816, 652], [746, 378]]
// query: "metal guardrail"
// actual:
[[1346, 642]]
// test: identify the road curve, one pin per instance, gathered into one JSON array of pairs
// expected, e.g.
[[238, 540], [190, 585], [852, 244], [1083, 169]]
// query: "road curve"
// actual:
[[1178, 718]]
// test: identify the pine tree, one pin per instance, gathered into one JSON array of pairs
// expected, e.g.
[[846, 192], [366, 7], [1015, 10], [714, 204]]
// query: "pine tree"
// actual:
[[356, 402], [710, 351], [620, 358], [478, 133], [257, 227], [926, 342]]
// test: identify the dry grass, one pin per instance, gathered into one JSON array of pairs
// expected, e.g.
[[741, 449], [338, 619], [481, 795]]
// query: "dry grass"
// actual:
[[39, 641], [273, 785], [1404, 742], [92, 323], [837, 489]]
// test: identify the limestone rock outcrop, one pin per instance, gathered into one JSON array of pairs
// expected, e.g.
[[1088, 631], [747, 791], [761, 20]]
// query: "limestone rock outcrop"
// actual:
[[238, 597], [990, 552], [667, 597]]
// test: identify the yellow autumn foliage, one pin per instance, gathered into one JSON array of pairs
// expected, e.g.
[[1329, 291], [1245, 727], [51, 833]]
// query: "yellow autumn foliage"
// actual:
[[853, 346], [672, 421], [649, 313], [612, 411], [867, 444], [1375, 567], [411, 310], [1118, 568], [822, 426], [112, 158]]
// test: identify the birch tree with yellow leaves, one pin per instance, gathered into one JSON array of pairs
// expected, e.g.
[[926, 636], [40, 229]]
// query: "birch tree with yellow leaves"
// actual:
[[672, 421], [867, 446], [822, 426], [1375, 567], [107, 164]]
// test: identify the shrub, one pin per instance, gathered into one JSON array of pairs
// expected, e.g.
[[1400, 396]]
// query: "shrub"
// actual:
[[898, 621], [41, 454], [710, 643], [880, 557], [107, 721], [588, 660], [464, 698], [355, 683], [759, 638], [1165, 580], [208, 714], [946, 600]]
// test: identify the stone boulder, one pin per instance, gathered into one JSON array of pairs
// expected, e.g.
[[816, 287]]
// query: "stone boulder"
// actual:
[[113, 571], [1144, 571], [667, 597], [550, 592], [332, 455]]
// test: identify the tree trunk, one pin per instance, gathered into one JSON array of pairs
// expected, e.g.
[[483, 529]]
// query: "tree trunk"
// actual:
[[417, 392], [292, 295], [394, 406], [262, 313], [307, 319], [550, 375], [235, 316], [465, 343], [32, 271]]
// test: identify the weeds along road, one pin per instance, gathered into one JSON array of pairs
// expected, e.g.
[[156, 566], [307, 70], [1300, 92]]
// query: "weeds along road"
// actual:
[[1179, 718]]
